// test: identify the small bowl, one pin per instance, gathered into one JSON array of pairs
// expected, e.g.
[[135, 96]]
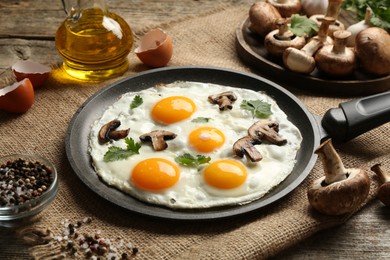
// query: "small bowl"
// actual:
[[34, 205]]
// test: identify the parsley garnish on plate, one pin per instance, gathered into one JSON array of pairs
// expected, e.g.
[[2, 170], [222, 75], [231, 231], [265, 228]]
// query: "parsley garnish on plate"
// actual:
[[303, 26], [137, 101], [258, 108], [115, 153], [191, 161]]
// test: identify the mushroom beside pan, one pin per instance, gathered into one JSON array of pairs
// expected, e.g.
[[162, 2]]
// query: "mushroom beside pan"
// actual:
[[384, 189], [340, 190]]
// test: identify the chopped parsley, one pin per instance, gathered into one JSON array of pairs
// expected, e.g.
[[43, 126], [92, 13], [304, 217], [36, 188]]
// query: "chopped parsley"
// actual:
[[258, 108], [201, 120], [137, 101], [191, 161], [115, 153]]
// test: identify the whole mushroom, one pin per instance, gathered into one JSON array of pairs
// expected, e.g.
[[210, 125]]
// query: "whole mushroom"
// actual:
[[262, 17], [333, 10], [277, 41], [336, 59], [384, 189], [341, 190]]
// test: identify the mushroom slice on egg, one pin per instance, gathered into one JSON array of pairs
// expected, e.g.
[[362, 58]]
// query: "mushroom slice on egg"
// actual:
[[266, 129], [341, 190], [158, 138], [245, 146], [108, 132], [224, 100]]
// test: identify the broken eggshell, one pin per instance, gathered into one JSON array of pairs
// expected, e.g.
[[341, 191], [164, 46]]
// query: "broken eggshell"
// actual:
[[18, 97], [155, 48], [36, 72]]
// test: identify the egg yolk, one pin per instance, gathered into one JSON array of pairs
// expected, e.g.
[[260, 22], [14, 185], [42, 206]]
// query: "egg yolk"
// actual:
[[173, 109], [225, 174], [206, 139], [155, 174]]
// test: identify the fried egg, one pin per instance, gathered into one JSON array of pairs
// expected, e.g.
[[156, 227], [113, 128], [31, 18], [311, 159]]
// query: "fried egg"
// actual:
[[201, 129]]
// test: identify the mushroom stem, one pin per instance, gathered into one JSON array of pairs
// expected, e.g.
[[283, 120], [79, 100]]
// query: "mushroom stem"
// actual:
[[334, 7], [384, 176], [324, 27], [311, 47], [340, 41], [333, 166], [284, 34], [368, 15]]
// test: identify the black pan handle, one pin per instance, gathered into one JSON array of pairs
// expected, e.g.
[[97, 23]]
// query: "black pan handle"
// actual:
[[356, 117]]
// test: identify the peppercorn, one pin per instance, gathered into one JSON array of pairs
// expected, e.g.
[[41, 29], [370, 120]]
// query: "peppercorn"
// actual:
[[21, 181]]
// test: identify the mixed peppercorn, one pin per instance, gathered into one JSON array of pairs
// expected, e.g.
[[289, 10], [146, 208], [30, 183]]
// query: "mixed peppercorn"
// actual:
[[22, 181]]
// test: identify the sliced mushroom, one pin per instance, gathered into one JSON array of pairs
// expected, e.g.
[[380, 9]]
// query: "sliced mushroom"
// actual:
[[245, 146], [108, 132], [224, 100], [158, 138], [341, 190], [266, 129]]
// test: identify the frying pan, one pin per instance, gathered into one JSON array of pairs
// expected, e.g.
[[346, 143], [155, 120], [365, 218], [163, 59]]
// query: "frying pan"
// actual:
[[78, 132]]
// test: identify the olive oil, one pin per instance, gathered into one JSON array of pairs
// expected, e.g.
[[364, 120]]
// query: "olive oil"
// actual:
[[94, 44]]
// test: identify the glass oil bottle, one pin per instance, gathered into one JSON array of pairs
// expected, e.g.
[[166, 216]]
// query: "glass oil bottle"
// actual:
[[93, 41]]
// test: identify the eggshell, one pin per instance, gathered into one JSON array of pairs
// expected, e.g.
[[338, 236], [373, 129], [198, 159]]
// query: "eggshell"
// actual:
[[18, 97], [36, 72], [155, 49]]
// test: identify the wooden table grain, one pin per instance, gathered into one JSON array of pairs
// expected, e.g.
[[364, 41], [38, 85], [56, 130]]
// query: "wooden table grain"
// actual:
[[27, 30]]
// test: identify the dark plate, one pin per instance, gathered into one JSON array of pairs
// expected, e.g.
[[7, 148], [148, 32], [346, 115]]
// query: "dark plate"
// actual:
[[77, 137], [250, 48]]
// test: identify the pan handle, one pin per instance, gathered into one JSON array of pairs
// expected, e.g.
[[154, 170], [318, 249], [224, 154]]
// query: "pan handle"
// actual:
[[356, 117]]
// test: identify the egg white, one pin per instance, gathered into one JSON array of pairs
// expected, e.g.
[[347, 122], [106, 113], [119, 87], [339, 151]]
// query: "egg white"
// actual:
[[191, 191]]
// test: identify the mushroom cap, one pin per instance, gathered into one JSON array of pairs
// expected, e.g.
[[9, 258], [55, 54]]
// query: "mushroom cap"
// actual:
[[383, 193], [262, 18], [297, 61], [340, 197], [335, 64], [287, 8]]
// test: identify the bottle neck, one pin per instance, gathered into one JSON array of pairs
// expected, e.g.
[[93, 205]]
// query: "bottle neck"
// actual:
[[73, 8]]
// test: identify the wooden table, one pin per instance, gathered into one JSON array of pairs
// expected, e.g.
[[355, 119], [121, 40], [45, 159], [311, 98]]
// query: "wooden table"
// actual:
[[27, 32]]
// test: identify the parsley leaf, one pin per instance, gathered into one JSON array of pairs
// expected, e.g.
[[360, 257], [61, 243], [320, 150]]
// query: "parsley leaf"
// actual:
[[191, 161], [137, 101], [302, 26], [258, 108], [115, 153], [201, 120]]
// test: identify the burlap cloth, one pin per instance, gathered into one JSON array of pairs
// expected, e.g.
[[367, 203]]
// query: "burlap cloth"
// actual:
[[207, 40]]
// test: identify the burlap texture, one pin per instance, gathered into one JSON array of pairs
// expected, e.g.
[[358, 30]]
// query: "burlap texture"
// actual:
[[207, 40]]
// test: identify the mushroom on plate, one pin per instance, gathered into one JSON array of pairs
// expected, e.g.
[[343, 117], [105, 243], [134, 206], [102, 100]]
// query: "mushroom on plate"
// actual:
[[277, 41], [384, 189], [246, 146], [341, 190], [268, 130]]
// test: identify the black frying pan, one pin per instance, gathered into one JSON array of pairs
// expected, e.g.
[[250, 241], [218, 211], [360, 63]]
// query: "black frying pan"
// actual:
[[77, 135]]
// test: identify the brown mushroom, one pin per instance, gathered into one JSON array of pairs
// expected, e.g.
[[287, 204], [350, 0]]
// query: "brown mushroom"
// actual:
[[262, 16], [158, 138], [286, 8], [384, 189], [245, 146], [108, 132], [224, 100], [266, 129], [341, 190], [277, 41]]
